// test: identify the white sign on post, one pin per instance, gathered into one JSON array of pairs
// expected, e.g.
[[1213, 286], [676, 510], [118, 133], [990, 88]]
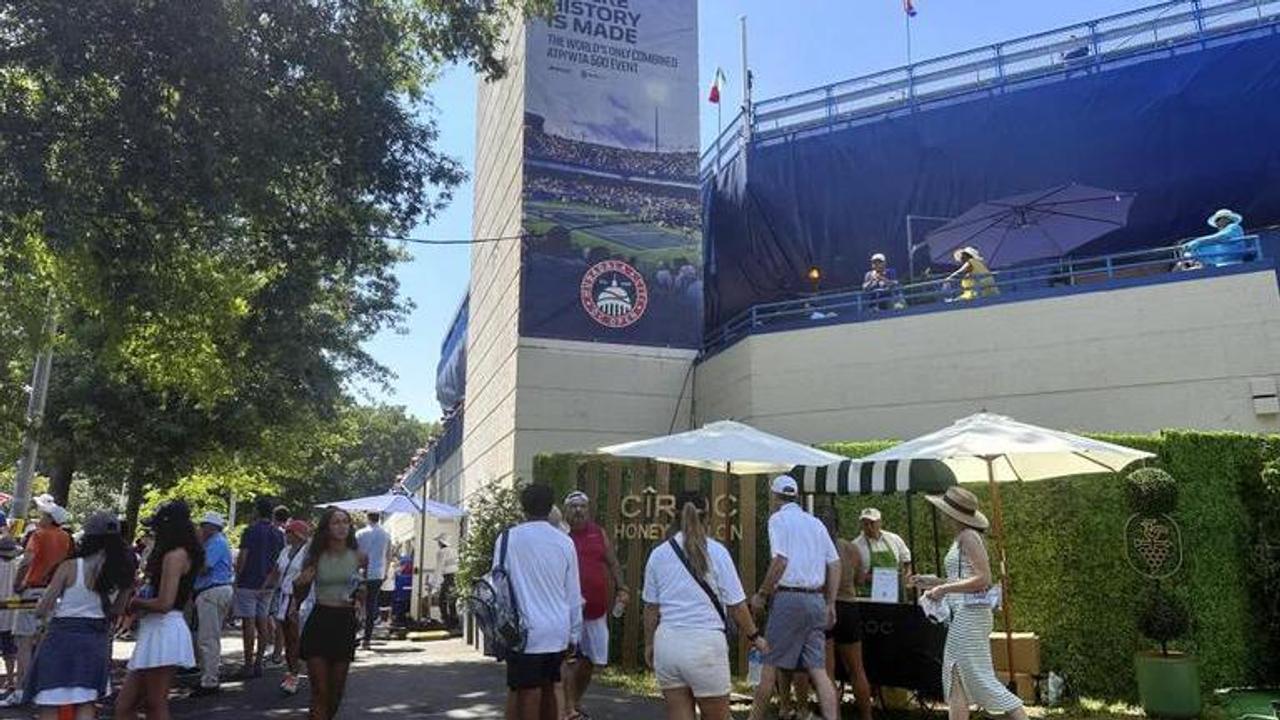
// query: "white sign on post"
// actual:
[[884, 585]]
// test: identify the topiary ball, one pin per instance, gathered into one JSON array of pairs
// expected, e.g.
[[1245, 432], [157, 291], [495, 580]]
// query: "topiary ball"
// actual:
[[1151, 491], [1162, 617]]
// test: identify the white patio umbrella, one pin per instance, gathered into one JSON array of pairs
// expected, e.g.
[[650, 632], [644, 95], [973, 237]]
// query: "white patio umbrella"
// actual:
[[726, 446], [396, 503], [994, 449]]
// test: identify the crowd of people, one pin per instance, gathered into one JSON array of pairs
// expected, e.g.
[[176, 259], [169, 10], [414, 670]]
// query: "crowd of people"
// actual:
[[803, 619], [670, 207], [304, 592], [672, 165]]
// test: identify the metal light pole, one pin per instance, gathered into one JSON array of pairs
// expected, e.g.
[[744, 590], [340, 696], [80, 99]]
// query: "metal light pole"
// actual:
[[35, 417], [913, 246]]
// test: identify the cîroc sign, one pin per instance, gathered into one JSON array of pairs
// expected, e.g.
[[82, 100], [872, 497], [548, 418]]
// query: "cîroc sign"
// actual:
[[648, 515]]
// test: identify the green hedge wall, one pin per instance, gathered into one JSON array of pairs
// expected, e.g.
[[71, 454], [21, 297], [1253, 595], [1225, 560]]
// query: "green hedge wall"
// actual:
[[1070, 582]]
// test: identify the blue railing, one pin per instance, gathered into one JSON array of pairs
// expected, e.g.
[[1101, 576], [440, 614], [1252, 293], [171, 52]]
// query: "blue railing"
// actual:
[[1077, 48], [857, 305]]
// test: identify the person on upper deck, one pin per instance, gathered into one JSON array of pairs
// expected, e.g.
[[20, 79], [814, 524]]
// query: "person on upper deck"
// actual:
[[975, 277], [881, 283], [1225, 246]]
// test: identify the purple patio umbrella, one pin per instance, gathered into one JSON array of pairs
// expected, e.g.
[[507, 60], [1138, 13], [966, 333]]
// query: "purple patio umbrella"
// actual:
[[1042, 224]]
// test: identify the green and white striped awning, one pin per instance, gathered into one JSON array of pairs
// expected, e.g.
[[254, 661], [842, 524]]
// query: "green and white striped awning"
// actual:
[[882, 477]]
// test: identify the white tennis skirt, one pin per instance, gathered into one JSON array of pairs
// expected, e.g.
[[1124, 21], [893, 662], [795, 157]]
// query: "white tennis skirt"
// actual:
[[163, 641]]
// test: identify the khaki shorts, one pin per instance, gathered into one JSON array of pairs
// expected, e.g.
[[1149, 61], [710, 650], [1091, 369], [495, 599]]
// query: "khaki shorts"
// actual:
[[25, 622]]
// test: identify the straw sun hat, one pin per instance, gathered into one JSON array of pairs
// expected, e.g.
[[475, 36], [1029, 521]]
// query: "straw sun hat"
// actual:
[[972, 252], [960, 505]]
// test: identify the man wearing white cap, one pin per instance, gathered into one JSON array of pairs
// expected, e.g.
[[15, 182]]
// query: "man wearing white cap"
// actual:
[[879, 548], [881, 282], [46, 548], [214, 589], [597, 563], [800, 588], [446, 578]]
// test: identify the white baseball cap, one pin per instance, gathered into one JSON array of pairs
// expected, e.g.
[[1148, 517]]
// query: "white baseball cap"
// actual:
[[213, 518], [46, 505], [878, 256], [871, 514], [784, 485]]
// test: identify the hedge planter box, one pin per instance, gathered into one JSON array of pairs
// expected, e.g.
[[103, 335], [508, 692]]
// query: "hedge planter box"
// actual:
[[1169, 685]]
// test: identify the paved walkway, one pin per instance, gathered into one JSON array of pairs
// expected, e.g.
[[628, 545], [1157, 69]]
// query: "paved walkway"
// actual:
[[400, 679]]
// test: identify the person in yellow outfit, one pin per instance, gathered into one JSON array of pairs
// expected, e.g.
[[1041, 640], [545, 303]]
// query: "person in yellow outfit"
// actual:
[[975, 277]]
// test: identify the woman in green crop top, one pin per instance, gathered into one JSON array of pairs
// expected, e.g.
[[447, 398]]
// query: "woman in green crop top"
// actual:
[[333, 577]]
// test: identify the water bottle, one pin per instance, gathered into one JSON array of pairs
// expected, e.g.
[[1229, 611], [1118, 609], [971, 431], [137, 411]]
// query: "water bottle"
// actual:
[[619, 608], [755, 663]]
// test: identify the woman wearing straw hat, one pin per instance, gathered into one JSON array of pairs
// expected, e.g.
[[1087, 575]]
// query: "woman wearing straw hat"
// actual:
[[967, 673], [975, 277]]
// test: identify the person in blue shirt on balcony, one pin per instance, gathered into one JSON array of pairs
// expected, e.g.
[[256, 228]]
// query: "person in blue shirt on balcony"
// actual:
[[1226, 246]]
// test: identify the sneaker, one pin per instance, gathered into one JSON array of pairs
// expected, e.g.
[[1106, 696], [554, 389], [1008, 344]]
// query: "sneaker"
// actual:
[[290, 684], [204, 691], [15, 699]]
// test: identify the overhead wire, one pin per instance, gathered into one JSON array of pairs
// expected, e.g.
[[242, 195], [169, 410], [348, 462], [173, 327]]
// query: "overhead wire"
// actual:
[[133, 218]]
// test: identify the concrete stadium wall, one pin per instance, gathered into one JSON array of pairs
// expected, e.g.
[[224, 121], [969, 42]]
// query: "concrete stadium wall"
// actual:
[[577, 396], [488, 444], [1177, 354]]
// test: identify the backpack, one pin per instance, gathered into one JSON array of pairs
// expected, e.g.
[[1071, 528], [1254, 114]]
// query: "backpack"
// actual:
[[492, 603]]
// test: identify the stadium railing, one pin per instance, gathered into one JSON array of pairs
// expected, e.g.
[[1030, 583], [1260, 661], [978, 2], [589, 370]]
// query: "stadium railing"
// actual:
[[1084, 47], [1026, 282]]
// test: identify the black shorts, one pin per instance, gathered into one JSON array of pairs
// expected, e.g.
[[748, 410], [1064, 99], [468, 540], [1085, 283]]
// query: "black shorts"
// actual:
[[848, 628], [525, 672], [330, 634]]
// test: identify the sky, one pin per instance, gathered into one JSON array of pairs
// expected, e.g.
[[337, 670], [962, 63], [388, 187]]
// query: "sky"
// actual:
[[791, 46]]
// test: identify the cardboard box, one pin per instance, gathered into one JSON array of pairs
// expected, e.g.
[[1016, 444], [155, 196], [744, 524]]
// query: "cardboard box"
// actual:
[[1026, 653], [1024, 686]]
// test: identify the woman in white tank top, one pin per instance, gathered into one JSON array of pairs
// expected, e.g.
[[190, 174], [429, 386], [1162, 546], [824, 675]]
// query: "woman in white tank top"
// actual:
[[71, 666]]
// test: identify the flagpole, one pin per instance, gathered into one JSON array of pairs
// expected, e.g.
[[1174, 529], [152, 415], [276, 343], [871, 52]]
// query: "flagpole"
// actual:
[[911, 89], [719, 132], [908, 15]]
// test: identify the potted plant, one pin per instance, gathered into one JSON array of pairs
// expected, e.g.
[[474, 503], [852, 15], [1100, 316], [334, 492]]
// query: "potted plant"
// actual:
[[1168, 681]]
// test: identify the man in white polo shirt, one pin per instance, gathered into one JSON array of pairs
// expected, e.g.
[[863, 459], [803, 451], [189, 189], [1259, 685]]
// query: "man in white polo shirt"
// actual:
[[543, 566], [800, 588]]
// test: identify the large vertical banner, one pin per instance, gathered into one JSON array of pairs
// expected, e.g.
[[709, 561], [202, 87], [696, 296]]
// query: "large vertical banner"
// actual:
[[611, 206]]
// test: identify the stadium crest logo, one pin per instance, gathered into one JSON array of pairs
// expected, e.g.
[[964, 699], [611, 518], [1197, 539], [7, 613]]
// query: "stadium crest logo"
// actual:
[[614, 294]]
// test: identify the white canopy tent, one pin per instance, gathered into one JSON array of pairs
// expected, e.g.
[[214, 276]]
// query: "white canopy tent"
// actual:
[[994, 449], [389, 503], [726, 446]]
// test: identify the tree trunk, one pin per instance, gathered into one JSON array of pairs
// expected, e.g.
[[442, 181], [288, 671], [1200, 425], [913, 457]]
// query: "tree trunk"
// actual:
[[132, 505], [60, 472]]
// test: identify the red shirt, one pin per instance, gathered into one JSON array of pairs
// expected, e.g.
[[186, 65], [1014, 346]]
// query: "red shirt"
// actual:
[[593, 569], [47, 547]]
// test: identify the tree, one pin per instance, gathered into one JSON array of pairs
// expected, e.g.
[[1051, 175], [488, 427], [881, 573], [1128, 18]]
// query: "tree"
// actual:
[[207, 191]]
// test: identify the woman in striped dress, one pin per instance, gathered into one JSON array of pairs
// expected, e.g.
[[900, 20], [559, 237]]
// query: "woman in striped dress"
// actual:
[[968, 677]]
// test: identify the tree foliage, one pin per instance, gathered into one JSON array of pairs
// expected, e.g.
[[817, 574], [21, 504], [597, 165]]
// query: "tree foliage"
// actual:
[[493, 509], [208, 194]]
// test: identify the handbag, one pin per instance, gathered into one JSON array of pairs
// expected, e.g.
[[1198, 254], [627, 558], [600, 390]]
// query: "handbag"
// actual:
[[730, 627]]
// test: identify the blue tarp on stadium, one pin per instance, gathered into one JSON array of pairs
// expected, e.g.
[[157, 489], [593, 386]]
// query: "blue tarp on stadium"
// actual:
[[451, 370], [1189, 133]]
